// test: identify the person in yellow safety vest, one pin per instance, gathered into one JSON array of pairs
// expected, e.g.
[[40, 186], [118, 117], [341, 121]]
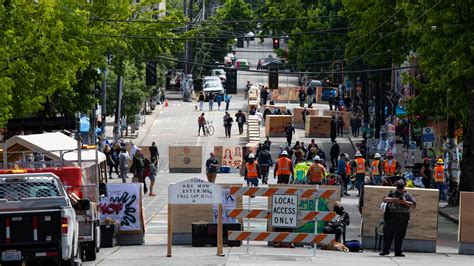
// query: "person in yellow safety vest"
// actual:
[[252, 171], [439, 178], [316, 172], [376, 170], [283, 168], [359, 165], [390, 166]]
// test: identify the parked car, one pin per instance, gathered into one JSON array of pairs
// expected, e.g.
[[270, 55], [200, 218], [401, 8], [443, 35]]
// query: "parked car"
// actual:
[[214, 87], [242, 64], [276, 64], [220, 73], [315, 83]]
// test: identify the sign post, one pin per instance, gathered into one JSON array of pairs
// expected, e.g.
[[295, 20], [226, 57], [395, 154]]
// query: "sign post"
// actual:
[[194, 191]]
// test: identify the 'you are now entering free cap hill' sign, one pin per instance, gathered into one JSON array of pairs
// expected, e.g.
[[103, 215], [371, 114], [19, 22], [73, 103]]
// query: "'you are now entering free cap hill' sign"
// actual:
[[194, 191]]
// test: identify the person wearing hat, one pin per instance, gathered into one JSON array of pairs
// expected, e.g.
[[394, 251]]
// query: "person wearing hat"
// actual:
[[396, 217], [316, 172], [439, 179], [376, 170], [390, 165], [252, 171], [359, 166], [283, 168], [338, 226]]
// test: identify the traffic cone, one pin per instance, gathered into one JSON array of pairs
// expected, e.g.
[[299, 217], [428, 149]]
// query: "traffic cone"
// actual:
[[166, 103]]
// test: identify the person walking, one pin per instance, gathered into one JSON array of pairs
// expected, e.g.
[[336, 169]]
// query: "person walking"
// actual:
[[227, 99], [359, 165], [115, 153], [283, 168], [211, 168], [252, 171], [230, 120], [201, 123], [439, 178], [334, 153], [331, 101], [154, 154], [259, 64], [339, 225], [152, 171], [304, 113], [337, 100], [211, 101], [333, 128], [225, 120], [340, 125], [302, 96], [309, 96], [341, 171], [264, 96], [426, 173], [247, 89], [376, 170], [396, 217], [218, 99], [201, 99], [138, 166], [110, 161], [316, 172], [289, 131], [358, 124], [353, 125], [124, 159], [264, 159], [241, 120]]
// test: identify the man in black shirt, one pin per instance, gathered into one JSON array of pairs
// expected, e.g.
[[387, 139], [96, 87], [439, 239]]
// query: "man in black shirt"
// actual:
[[211, 168], [339, 226], [289, 131], [396, 217], [154, 154], [240, 119]]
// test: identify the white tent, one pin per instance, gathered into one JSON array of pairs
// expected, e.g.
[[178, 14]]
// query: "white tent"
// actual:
[[51, 145]]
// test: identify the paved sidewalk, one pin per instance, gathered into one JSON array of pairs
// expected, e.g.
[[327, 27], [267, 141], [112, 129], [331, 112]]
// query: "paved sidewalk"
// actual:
[[452, 213]]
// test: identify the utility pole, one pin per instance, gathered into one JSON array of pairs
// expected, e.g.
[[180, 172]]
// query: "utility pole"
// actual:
[[118, 109], [188, 10], [104, 100]]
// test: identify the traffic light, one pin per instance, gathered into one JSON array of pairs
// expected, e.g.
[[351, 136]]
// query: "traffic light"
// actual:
[[276, 43]]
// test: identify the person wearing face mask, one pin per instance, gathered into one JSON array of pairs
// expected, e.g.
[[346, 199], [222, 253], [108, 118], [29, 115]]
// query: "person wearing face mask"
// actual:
[[342, 221], [396, 216]]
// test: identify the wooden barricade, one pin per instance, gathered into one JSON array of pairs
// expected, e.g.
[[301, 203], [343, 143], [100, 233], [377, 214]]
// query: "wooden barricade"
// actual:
[[185, 159], [184, 216], [466, 222], [275, 125], [272, 108], [254, 97], [253, 129], [282, 237], [423, 226], [298, 114], [285, 94], [317, 126], [345, 115]]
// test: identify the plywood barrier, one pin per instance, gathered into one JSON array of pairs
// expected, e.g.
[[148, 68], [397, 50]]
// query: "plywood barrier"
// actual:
[[185, 159], [345, 115], [466, 223], [185, 215], [275, 125], [423, 226], [298, 114], [317, 126], [285, 94]]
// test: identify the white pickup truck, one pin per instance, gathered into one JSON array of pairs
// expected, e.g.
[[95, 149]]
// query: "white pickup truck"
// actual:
[[37, 219]]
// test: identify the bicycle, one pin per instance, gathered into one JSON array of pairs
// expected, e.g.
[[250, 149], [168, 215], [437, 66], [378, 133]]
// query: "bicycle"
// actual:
[[208, 128]]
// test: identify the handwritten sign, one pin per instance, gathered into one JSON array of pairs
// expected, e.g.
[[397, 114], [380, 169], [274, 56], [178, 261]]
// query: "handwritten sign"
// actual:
[[194, 191], [229, 202], [284, 211], [123, 204], [232, 156]]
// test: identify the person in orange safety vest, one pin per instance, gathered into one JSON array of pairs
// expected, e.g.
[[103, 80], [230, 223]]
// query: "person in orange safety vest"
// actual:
[[359, 165], [439, 178], [376, 170], [316, 172], [252, 171], [283, 168], [390, 166]]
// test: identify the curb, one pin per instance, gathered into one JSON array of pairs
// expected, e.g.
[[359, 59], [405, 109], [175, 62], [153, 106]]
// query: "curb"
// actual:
[[449, 216], [352, 143]]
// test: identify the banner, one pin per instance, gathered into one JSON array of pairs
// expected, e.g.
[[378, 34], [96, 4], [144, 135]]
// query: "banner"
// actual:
[[229, 202], [232, 156], [123, 204]]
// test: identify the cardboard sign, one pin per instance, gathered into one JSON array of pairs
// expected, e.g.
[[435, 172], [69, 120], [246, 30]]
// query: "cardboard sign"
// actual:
[[232, 156], [194, 191], [123, 204], [284, 211], [229, 202]]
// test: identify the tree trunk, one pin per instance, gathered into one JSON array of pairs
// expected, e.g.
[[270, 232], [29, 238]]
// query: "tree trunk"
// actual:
[[466, 182]]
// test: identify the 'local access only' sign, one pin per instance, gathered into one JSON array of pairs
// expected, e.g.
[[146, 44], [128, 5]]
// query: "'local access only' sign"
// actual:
[[284, 211], [194, 191]]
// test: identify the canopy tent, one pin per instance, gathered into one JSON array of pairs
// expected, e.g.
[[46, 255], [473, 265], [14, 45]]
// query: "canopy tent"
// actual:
[[52, 146]]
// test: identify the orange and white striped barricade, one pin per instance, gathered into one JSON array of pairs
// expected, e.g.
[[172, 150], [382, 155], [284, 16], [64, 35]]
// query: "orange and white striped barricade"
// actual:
[[292, 195]]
